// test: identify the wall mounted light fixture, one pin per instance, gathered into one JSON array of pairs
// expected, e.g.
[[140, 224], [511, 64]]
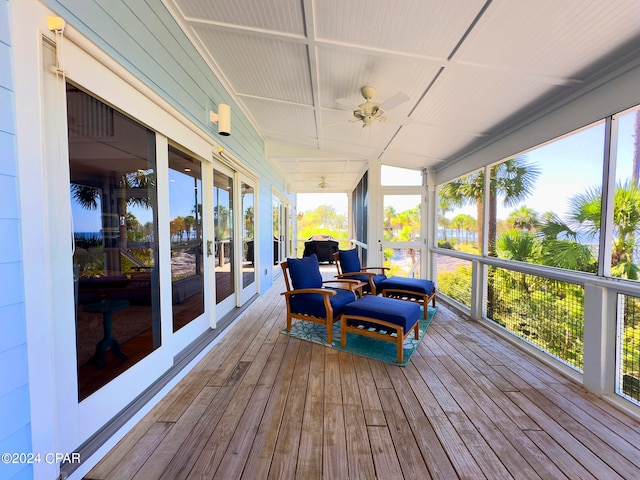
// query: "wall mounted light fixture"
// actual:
[[222, 118], [55, 23]]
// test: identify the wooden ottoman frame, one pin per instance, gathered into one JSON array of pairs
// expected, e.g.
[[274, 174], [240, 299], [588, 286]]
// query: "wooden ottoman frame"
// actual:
[[412, 296], [374, 330]]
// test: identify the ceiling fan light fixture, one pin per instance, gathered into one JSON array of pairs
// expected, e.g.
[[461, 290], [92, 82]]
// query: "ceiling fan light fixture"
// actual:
[[368, 92]]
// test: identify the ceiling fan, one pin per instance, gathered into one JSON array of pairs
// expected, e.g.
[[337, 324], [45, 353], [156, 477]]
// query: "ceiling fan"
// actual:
[[371, 111]]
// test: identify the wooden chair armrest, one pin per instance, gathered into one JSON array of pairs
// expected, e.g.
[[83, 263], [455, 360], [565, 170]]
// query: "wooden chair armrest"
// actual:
[[321, 291], [382, 269], [344, 284], [353, 274]]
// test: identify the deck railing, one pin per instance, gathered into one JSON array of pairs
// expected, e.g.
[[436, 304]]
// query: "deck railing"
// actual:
[[583, 323]]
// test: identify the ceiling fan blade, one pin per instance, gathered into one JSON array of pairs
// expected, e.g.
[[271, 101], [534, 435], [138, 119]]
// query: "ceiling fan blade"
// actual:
[[345, 102], [394, 101], [341, 123]]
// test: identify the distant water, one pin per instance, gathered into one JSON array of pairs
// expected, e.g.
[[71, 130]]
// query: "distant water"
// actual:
[[87, 235]]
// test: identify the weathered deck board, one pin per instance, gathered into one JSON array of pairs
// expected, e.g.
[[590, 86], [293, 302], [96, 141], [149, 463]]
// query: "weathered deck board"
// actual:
[[469, 405]]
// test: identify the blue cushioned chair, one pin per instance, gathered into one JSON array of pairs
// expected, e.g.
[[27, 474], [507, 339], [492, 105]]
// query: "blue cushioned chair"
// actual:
[[416, 290], [349, 267], [307, 297]]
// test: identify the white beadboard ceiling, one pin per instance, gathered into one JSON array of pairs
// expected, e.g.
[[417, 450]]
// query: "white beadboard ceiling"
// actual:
[[469, 67]]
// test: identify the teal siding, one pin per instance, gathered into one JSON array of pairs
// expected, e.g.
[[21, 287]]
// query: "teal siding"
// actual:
[[15, 428], [144, 38]]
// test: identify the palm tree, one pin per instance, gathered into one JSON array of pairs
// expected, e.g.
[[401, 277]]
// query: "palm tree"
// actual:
[[467, 190], [560, 239], [524, 218], [519, 246], [189, 222], [470, 225], [135, 189], [444, 206], [512, 179], [458, 223]]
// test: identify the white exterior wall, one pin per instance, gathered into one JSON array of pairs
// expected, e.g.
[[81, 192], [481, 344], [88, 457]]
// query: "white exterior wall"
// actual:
[[15, 428]]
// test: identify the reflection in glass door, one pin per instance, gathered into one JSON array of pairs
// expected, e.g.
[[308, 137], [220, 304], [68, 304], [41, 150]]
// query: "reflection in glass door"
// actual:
[[247, 201], [112, 188], [185, 227], [402, 242], [276, 230], [223, 231], [282, 230]]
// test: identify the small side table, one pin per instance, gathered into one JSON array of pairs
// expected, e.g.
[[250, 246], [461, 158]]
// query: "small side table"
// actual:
[[358, 289], [106, 308]]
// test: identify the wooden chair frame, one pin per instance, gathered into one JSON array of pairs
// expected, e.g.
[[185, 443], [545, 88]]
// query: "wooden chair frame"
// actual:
[[352, 285]]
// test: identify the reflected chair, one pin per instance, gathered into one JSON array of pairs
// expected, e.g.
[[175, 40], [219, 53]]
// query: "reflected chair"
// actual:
[[307, 297], [349, 267]]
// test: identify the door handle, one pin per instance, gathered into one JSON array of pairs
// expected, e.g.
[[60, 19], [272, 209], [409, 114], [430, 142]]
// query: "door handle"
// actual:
[[209, 248]]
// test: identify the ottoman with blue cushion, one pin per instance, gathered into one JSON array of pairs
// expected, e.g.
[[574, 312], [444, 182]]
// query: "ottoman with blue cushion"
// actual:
[[382, 318], [416, 290]]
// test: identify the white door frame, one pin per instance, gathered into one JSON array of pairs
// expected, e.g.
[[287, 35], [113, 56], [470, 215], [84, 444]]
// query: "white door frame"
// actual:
[[74, 422], [420, 244], [245, 293]]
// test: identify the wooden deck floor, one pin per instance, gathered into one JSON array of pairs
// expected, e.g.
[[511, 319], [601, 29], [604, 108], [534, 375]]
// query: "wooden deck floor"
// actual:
[[468, 405]]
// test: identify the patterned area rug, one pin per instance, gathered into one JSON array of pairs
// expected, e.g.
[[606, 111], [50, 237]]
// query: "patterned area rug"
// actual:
[[359, 344]]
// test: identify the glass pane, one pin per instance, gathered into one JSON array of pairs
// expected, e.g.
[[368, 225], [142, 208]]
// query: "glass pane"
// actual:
[[402, 218], [360, 204], [223, 227], [248, 235], [322, 214], [403, 262], [276, 230], [185, 214], [625, 254], [545, 205], [460, 212], [113, 203], [454, 278], [396, 176]]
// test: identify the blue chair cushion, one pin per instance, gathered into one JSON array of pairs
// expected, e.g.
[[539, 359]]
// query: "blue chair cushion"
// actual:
[[418, 285], [313, 303], [398, 312], [305, 272], [349, 261]]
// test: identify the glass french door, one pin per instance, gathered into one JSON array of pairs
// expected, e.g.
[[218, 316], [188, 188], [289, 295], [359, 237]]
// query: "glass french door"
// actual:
[[185, 237], [402, 245], [247, 203], [234, 198], [223, 225], [282, 230]]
